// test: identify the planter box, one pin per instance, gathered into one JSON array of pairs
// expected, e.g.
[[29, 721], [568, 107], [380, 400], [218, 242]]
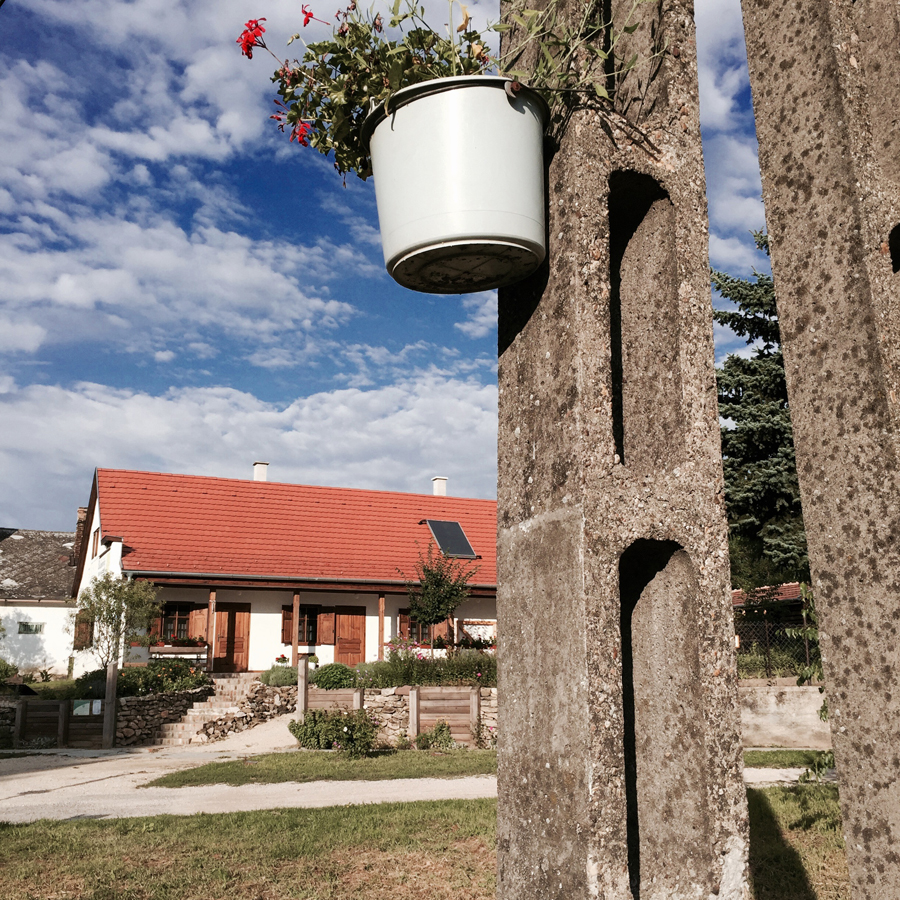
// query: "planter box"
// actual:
[[459, 182], [177, 652]]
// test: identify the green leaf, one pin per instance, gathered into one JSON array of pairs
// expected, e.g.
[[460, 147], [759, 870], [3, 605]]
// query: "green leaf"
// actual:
[[601, 91], [631, 29]]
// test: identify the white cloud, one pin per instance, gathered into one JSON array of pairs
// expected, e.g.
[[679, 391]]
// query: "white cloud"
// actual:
[[164, 356], [20, 337], [394, 438], [482, 310]]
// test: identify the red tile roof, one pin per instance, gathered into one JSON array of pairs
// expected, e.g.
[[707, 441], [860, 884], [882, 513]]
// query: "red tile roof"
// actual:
[[781, 592], [226, 526]]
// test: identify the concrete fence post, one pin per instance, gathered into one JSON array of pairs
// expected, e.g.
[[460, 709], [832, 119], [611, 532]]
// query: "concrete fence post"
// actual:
[[475, 713], [359, 696], [302, 686], [19, 726], [62, 729], [413, 713], [109, 706]]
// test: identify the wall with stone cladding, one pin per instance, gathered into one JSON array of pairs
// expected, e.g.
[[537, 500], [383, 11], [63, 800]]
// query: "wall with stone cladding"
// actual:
[[7, 718], [392, 710], [263, 702], [139, 719]]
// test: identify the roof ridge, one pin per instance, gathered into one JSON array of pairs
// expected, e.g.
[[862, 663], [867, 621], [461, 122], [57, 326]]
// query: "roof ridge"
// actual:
[[319, 487]]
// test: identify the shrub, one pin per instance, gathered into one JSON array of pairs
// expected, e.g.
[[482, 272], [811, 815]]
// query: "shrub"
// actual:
[[159, 676], [439, 738], [352, 733], [333, 676], [279, 676], [7, 670], [403, 666]]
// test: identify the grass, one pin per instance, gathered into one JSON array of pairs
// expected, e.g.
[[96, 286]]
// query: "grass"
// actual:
[[441, 850], [796, 847], [781, 759], [273, 768]]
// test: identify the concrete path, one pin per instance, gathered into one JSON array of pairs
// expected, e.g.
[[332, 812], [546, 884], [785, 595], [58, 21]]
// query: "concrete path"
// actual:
[[97, 784]]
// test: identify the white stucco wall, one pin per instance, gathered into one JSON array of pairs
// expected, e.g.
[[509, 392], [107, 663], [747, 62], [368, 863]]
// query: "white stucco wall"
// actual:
[[108, 559], [32, 652]]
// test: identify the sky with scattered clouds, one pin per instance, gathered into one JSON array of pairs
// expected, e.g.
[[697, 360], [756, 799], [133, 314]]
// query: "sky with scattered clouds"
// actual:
[[183, 290]]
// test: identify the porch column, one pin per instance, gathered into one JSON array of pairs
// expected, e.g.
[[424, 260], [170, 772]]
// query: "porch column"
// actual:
[[381, 626], [211, 630], [295, 623]]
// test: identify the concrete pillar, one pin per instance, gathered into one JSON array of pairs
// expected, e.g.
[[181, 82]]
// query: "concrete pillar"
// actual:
[[620, 756], [302, 686], [825, 76], [109, 706]]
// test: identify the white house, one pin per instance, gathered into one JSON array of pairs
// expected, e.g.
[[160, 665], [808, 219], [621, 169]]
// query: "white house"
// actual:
[[258, 569], [36, 574]]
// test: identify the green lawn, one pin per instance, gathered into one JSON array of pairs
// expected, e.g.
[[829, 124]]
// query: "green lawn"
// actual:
[[273, 768], [441, 850], [781, 759]]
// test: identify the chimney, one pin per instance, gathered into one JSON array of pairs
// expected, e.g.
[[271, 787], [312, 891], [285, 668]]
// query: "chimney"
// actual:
[[439, 486], [259, 471], [79, 536]]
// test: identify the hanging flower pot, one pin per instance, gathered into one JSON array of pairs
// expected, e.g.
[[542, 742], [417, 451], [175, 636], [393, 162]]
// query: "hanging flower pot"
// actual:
[[459, 183]]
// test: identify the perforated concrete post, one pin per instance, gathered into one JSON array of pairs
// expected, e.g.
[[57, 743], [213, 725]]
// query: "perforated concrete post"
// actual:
[[302, 686], [620, 765], [825, 76]]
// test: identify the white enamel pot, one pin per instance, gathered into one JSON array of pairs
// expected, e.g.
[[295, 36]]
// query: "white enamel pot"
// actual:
[[459, 182]]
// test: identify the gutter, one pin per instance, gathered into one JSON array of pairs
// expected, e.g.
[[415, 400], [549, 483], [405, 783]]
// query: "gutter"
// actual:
[[288, 579]]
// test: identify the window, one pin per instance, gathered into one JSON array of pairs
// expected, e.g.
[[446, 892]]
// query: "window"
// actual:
[[176, 618], [31, 627], [95, 543], [413, 630], [306, 625]]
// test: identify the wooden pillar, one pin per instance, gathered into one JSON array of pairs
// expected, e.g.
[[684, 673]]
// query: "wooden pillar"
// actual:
[[295, 622], [62, 730], [413, 713], [211, 630], [381, 626], [109, 706], [302, 686], [19, 726]]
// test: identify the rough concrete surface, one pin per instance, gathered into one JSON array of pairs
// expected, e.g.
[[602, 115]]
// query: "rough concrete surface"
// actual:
[[825, 76], [612, 541]]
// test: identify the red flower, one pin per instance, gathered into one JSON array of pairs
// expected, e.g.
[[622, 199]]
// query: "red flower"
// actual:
[[307, 14], [251, 37], [301, 132]]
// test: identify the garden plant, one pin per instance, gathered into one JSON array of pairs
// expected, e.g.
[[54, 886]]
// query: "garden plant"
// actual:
[[325, 96]]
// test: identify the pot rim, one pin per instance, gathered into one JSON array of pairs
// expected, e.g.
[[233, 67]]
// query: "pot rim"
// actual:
[[438, 86]]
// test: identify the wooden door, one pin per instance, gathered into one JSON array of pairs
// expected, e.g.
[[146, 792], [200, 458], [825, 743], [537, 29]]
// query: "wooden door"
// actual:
[[350, 634], [231, 651]]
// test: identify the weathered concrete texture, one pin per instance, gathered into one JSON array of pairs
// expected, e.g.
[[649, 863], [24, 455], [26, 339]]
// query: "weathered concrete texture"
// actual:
[[826, 89], [620, 769], [783, 716]]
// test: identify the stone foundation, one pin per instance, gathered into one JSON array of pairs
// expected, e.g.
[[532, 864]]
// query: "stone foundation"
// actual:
[[139, 719]]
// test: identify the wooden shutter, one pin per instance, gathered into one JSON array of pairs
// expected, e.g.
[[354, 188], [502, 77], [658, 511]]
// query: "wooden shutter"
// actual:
[[403, 624], [287, 625], [156, 628], [197, 622], [441, 630], [84, 631], [326, 625]]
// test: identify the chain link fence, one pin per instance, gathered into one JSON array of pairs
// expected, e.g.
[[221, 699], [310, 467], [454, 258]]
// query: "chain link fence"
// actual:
[[764, 650]]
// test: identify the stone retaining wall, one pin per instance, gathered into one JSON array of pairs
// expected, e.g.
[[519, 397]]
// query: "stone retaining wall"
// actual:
[[263, 702], [7, 718], [138, 719]]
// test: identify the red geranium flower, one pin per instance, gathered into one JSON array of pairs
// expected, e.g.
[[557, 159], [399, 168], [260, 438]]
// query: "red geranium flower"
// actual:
[[251, 37], [307, 14], [301, 132]]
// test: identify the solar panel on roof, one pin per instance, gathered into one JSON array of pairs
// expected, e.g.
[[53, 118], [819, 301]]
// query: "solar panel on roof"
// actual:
[[451, 539]]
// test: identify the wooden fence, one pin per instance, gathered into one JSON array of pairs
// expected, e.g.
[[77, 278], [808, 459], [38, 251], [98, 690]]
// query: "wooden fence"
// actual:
[[60, 723]]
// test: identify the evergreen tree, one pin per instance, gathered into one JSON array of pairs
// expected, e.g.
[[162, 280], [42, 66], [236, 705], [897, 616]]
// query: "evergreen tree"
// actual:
[[767, 538]]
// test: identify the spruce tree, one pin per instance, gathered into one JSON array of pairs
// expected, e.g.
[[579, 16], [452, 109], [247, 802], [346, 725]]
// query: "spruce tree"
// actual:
[[767, 539]]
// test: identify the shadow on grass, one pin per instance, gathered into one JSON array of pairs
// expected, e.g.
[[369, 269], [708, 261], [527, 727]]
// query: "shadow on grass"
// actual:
[[775, 867]]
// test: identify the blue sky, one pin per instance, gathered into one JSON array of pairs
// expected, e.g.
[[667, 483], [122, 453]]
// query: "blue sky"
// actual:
[[183, 290]]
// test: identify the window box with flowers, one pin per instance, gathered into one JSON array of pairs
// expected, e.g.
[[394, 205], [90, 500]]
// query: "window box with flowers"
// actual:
[[453, 137]]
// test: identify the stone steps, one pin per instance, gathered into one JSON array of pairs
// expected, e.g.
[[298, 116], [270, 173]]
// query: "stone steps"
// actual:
[[231, 690]]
